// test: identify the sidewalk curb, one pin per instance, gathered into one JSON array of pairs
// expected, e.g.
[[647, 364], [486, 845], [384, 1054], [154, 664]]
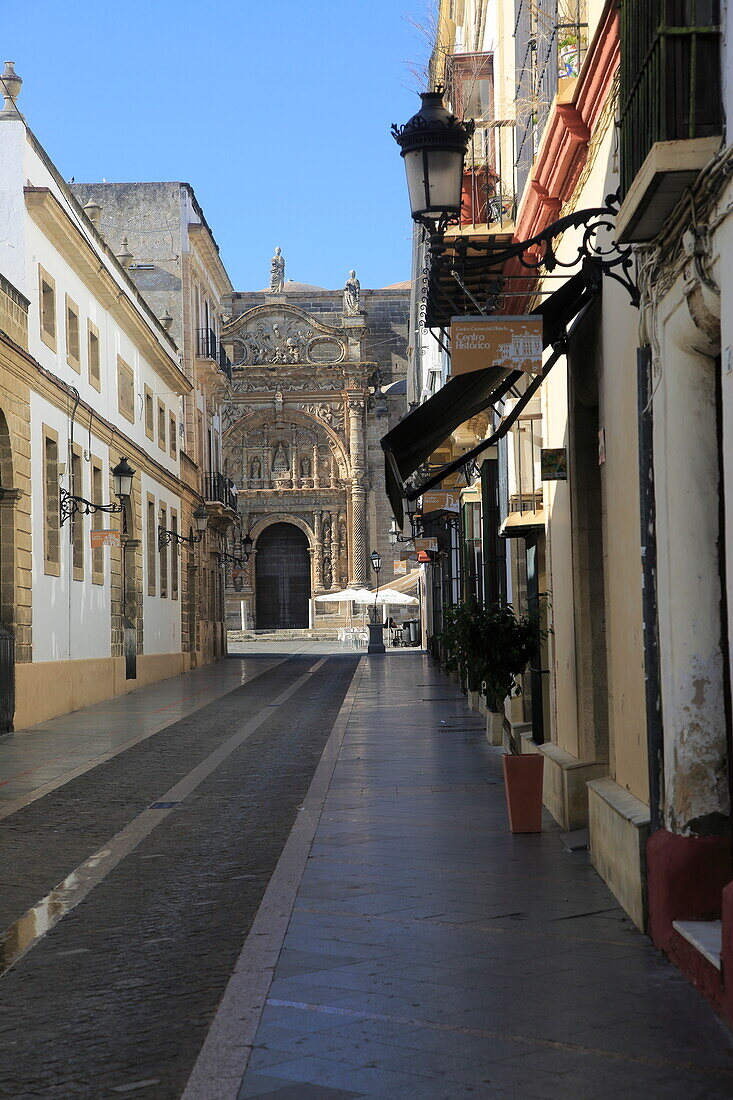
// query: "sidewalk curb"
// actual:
[[222, 1060]]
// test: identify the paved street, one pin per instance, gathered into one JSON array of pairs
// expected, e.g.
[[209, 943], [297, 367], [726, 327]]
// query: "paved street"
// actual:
[[294, 880]]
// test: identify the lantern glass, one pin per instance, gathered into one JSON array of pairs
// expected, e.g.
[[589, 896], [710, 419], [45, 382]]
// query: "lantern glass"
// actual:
[[201, 517], [434, 181], [376, 561], [122, 476]]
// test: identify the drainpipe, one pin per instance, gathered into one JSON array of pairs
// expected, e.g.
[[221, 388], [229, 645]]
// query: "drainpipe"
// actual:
[[654, 726]]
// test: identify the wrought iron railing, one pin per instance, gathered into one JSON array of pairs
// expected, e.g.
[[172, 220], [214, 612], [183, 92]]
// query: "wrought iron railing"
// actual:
[[225, 363], [209, 347], [221, 488], [670, 76], [206, 343]]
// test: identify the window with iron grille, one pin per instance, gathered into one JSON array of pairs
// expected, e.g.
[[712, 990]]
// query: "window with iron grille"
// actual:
[[152, 534], [78, 524], [670, 76], [163, 554], [51, 488], [97, 520]]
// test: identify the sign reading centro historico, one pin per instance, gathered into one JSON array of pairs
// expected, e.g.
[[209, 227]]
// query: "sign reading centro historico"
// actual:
[[514, 343], [441, 501]]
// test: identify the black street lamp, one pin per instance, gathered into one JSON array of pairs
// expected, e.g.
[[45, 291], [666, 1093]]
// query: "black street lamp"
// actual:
[[122, 475], [413, 509], [70, 504], [395, 535], [376, 642], [242, 552], [201, 519], [433, 145]]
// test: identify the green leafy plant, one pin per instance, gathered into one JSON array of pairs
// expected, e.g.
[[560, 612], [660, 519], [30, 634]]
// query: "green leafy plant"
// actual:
[[491, 646]]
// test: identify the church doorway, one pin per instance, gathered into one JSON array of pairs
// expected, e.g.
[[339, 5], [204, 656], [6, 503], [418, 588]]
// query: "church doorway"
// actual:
[[283, 578]]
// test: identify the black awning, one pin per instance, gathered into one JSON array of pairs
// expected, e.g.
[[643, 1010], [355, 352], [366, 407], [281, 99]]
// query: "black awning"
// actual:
[[415, 438], [419, 433]]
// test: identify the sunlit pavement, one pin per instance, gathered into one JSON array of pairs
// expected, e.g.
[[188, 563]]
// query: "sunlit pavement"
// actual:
[[290, 876]]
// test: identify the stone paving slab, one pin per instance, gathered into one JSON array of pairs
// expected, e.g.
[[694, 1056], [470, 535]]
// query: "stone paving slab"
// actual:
[[432, 955]]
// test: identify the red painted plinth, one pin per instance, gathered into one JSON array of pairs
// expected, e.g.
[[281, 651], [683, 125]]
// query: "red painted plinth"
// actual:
[[523, 786], [726, 954], [685, 877]]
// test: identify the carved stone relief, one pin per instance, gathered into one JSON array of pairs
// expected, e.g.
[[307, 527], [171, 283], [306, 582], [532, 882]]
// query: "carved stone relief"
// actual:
[[282, 338]]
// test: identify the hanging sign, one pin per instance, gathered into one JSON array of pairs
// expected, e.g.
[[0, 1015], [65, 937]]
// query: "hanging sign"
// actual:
[[104, 538], [426, 544], [441, 501], [400, 567], [554, 464], [514, 343]]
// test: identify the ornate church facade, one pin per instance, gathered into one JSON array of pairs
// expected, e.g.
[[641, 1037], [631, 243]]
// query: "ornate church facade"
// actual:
[[318, 377]]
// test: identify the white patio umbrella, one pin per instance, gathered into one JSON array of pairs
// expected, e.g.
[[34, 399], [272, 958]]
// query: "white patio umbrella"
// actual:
[[346, 595], [394, 598], [341, 596]]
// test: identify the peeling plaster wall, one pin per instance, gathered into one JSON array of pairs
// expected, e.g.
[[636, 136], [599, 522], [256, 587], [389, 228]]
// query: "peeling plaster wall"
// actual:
[[688, 583]]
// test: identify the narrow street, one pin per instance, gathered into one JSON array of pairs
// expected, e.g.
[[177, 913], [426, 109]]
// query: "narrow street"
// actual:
[[407, 945]]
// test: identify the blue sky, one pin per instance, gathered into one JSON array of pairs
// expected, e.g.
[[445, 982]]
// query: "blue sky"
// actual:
[[277, 113]]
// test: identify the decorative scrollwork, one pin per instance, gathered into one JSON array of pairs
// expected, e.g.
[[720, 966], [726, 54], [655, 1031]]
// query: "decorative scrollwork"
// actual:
[[539, 254]]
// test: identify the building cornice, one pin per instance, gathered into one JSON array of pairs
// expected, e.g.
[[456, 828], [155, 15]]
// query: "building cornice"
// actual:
[[21, 364], [50, 216], [205, 245]]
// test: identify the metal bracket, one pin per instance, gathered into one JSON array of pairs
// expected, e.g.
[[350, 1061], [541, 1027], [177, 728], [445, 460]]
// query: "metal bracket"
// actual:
[[69, 505]]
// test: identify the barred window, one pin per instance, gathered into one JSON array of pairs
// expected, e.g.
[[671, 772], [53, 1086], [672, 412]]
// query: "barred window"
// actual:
[[94, 356], [152, 545], [78, 520], [73, 349], [51, 503], [98, 519], [163, 554]]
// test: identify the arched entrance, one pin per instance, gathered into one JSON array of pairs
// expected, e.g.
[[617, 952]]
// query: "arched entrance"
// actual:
[[283, 573]]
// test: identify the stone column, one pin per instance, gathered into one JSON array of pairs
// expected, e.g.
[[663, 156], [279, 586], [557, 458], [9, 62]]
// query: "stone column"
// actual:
[[318, 554], [359, 574], [266, 464], [316, 479]]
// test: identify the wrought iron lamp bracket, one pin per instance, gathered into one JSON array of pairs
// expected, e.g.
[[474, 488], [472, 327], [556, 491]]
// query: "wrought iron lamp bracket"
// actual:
[[597, 248], [69, 505], [232, 559], [165, 537]]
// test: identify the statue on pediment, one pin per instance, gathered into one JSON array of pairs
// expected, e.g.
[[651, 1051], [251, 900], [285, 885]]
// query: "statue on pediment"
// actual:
[[352, 294], [277, 272]]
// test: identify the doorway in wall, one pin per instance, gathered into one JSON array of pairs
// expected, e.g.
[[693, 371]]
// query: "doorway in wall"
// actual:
[[283, 578]]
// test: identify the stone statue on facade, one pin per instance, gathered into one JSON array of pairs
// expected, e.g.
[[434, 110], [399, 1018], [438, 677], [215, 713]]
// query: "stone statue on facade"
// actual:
[[256, 470], [277, 272], [280, 465], [352, 292]]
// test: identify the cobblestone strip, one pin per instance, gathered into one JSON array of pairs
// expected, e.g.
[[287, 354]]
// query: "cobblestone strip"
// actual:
[[26, 932], [25, 800], [223, 1058]]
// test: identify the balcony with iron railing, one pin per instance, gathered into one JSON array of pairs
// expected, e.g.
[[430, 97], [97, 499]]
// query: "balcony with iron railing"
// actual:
[[209, 349], [670, 94], [219, 489]]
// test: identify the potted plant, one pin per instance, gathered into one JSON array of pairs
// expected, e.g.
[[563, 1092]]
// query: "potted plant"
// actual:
[[492, 646]]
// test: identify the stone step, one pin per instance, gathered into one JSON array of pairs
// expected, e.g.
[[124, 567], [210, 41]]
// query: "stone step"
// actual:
[[317, 634]]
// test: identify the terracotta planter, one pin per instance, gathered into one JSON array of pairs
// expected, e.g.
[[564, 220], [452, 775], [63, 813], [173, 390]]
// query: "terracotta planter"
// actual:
[[523, 786]]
